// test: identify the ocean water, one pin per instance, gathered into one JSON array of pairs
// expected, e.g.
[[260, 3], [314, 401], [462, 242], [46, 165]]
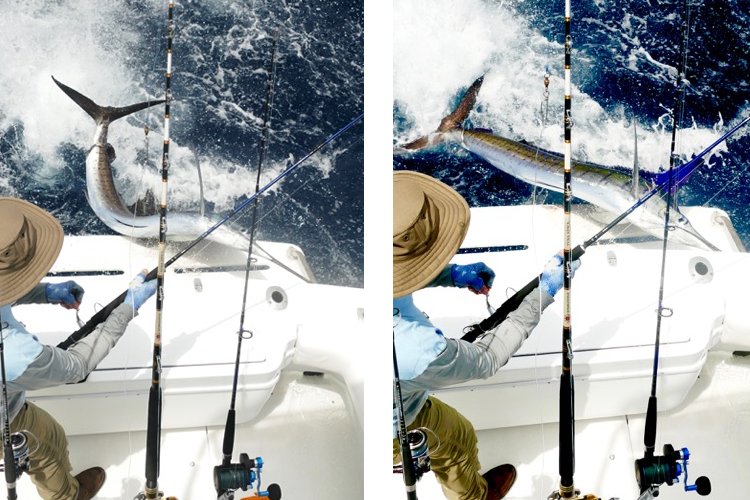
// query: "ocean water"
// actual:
[[624, 67], [115, 53]]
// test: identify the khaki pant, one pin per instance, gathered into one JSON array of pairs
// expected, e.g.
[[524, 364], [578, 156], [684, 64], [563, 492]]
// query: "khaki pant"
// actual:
[[49, 466], [455, 462]]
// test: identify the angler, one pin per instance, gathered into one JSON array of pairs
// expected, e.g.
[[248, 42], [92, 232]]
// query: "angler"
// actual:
[[30, 241], [430, 221], [609, 188]]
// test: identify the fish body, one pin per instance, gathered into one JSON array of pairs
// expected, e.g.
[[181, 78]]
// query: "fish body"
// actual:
[[605, 187], [105, 201], [611, 189]]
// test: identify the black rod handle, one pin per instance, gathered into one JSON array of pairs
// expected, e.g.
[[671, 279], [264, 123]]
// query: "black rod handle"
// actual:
[[510, 305]]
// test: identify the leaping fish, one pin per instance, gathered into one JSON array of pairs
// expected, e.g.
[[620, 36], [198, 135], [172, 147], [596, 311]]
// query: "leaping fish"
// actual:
[[106, 202], [608, 188]]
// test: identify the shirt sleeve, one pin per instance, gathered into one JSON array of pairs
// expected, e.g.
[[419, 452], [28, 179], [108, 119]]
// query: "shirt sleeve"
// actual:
[[55, 366], [462, 361], [443, 279], [38, 295]]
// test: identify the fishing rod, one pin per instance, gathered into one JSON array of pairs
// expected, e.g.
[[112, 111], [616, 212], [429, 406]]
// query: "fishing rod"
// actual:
[[566, 466], [9, 459], [566, 463], [653, 470], [153, 430], [103, 313], [472, 332], [226, 478]]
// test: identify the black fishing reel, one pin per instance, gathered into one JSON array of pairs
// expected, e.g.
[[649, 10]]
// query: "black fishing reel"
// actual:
[[653, 471], [420, 453], [20, 444], [231, 477]]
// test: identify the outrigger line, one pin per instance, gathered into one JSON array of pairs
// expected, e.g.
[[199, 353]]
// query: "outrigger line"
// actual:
[[654, 470], [153, 431], [229, 477], [103, 313], [472, 332]]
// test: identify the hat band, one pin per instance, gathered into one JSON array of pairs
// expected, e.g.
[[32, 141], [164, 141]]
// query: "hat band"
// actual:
[[21, 251]]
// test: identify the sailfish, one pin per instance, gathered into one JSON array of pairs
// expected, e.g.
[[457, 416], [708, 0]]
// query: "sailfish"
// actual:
[[614, 190], [140, 220]]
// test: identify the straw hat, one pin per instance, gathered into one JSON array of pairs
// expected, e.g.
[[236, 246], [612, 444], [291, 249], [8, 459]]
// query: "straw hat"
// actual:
[[430, 220], [30, 241]]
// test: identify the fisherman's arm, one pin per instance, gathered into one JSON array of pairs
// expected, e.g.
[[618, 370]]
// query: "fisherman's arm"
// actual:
[[462, 361], [55, 366]]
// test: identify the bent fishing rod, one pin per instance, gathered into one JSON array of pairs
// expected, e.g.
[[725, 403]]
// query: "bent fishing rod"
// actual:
[[473, 332], [103, 313], [226, 477], [9, 461], [409, 468], [652, 471]]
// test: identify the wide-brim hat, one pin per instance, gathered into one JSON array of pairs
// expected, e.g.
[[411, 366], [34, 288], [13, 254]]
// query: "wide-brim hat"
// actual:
[[430, 220], [30, 241]]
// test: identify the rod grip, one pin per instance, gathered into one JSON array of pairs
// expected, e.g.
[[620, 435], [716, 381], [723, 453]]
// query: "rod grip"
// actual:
[[474, 331], [649, 436], [153, 436], [228, 446], [10, 470]]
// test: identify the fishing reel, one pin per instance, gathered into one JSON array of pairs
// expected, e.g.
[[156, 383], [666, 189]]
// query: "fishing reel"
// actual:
[[20, 444], [232, 477], [653, 471], [417, 439]]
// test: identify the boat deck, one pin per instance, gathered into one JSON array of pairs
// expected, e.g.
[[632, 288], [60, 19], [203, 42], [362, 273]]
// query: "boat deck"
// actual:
[[306, 435], [713, 423]]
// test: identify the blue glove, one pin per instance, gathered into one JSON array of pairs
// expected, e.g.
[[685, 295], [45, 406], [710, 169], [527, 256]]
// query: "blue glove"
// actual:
[[552, 277], [68, 294], [139, 291], [478, 277]]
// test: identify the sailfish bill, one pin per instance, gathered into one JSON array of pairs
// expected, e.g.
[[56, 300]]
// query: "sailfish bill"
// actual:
[[141, 220], [609, 188]]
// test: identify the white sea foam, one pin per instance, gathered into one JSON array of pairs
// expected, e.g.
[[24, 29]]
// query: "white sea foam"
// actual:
[[441, 46], [90, 49]]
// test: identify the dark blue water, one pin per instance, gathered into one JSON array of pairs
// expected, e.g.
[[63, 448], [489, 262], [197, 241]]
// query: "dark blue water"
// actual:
[[624, 65], [221, 51]]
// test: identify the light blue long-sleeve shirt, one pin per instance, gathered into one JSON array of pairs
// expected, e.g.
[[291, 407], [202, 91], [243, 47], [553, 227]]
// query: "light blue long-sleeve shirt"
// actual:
[[32, 365], [428, 361]]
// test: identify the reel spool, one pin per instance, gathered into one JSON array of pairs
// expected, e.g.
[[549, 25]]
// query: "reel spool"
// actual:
[[651, 472], [241, 476], [20, 444], [417, 439]]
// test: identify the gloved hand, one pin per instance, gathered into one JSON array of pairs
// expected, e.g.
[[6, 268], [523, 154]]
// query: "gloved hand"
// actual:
[[552, 277], [68, 294], [478, 277], [139, 291]]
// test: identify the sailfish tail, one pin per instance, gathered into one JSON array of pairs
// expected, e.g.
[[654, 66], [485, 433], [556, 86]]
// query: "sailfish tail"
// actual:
[[102, 113], [453, 121]]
